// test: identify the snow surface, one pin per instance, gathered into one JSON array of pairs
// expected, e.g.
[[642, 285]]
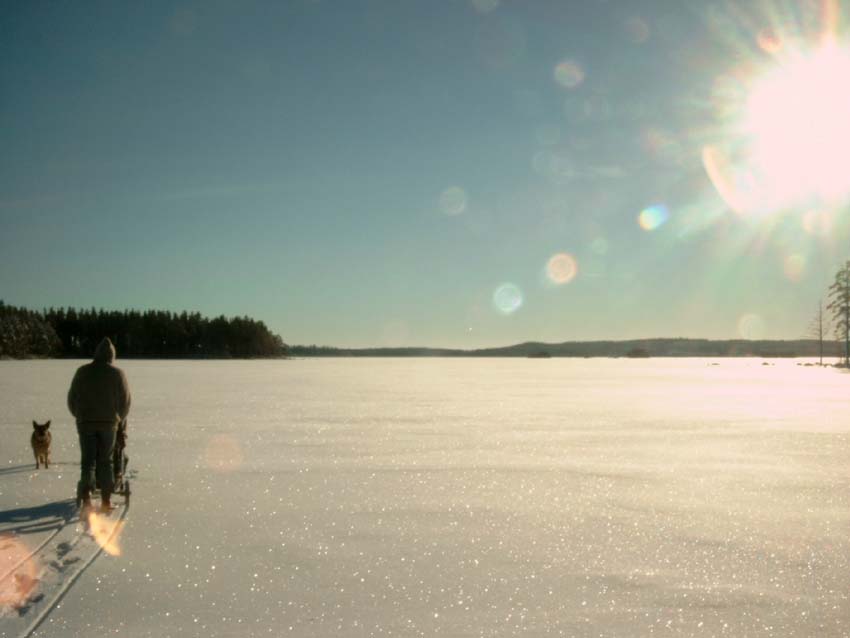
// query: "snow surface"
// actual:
[[455, 497]]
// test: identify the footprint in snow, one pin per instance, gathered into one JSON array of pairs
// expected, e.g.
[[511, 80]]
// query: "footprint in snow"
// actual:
[[24, 608], [24, 588]]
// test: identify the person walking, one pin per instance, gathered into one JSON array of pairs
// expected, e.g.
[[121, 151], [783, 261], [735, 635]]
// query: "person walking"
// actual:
[[99, 399]]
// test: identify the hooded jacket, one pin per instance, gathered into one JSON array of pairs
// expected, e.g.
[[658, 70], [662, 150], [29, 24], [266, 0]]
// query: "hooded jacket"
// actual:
[[99, 396]]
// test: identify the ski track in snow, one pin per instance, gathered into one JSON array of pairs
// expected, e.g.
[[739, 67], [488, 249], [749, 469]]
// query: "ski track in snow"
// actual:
[[62, 558], [26, 558]]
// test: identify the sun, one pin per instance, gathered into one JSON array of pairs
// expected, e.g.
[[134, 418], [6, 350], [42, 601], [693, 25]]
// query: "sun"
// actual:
[[796, 126], [782, 140]]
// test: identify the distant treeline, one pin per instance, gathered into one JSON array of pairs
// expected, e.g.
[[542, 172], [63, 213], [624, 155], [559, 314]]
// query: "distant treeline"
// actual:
[[24, 333], [675, 347], [151, 333]]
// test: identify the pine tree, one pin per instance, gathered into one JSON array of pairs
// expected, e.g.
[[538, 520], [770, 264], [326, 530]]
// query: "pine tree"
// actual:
[[152, 333], [839, 306]]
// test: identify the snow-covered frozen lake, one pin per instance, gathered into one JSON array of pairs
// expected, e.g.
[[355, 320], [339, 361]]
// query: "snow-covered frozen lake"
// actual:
[[456, 497]]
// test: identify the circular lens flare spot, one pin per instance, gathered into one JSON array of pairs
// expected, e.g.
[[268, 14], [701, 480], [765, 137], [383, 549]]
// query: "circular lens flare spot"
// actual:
[[223, 454], [453, 200], [817, 223], [653, 217], [21, 573], [569, 74], [561, 268], [485, 6], [637, 30], [507, 298], [751, 326], [768, 41], [662, 145], [794, 267], [599, 246]]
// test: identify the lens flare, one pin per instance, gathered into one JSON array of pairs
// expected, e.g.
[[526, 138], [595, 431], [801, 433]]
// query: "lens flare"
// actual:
[[737, 186], [484, 6], [653, 217], [797, 129], [19, 572], [794, 266], [751, 326], [783, 138], [106, 532], [662, 145], [769, 41], [599, 246], [453, 200], [728, 91], [223, 454], [507, 298], [569, 74], [818, 223], [561, 268], [637, 29]]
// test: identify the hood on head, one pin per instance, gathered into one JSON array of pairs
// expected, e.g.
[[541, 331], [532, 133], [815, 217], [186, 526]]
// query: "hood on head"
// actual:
[[105, 351]]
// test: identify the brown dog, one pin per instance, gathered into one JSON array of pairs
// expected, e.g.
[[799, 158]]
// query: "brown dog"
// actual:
[[40, 440]]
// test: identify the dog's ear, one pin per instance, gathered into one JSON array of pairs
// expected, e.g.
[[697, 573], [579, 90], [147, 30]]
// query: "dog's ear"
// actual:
[[47, 425], [34, 425]]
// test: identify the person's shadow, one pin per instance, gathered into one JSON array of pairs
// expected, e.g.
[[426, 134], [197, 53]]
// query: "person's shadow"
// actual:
[[39, 518]]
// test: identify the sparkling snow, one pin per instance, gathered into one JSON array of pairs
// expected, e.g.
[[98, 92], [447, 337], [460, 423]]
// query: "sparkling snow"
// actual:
[[456, 497]]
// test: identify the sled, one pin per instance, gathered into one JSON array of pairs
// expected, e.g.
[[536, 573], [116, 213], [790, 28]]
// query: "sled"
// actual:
[[120, 483]]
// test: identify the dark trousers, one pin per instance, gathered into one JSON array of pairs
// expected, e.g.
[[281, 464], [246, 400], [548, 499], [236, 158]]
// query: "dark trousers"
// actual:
[[95, 459]]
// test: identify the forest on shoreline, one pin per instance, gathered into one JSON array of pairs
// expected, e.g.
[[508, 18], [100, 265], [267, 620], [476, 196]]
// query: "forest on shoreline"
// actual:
[[161, 334], [156, 334]]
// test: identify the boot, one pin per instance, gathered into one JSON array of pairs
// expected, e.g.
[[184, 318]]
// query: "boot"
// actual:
[[105, 504], [84, 503], [83, 498]]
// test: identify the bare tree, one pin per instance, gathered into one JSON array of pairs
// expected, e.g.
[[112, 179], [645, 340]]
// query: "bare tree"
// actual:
[[818, 328]]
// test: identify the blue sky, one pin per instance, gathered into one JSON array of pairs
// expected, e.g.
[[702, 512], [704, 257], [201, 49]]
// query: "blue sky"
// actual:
[[375, 172]]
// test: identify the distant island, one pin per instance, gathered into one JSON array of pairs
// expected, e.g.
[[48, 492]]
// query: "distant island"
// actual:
[[633, 348]]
